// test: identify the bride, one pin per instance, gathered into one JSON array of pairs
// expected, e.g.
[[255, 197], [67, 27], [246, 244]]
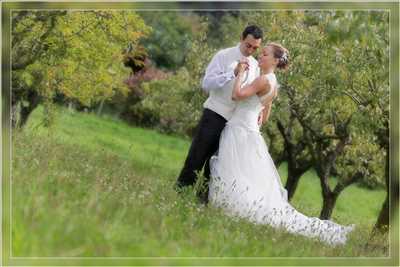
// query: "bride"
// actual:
[[244, 181]]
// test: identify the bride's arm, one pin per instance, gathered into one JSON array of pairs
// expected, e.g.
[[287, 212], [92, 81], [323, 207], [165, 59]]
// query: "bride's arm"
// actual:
[[267, 104], [241, 93], [266, 112]]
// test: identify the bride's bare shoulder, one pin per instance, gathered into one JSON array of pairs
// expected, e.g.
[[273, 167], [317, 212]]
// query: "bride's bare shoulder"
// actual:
[[264, 83]]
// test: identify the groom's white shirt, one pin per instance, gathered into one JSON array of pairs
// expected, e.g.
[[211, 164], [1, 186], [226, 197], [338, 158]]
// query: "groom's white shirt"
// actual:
[[219, 78]]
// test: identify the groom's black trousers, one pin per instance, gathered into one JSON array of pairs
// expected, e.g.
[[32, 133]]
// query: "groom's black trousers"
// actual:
[[204, 145]]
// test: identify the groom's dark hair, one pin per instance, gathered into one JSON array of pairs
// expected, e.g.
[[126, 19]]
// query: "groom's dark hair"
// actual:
[[253, 30]]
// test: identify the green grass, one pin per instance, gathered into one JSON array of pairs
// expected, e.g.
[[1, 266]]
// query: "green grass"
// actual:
[[91, 186], [355, 204]]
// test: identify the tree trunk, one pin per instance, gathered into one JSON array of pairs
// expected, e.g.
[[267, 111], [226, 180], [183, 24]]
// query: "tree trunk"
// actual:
[[33, 100], [382, 224], [70, 106], [328, 197], [329, 202], [100, 108], [294, 175], [291, 185], [14, 116], [292, 181], [25, 111]]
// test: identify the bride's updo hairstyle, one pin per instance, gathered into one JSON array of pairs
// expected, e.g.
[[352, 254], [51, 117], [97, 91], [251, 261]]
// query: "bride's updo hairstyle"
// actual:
[[282, 54]]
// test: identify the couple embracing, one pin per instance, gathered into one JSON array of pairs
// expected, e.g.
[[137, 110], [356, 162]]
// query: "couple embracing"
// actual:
[[241, 177]]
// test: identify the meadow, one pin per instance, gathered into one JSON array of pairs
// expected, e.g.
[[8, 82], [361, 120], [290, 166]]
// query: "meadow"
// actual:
[[92, 186]]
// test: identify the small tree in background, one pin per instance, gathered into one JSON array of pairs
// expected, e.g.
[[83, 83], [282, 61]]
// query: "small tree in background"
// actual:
[[130, 108], [177, 102], [77, 54], [171, 38]]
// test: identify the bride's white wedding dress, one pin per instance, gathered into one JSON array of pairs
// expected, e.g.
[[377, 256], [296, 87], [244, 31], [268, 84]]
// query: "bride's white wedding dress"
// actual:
[[245, 183]]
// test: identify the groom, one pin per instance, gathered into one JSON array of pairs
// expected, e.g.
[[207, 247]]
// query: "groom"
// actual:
[[218, 108]]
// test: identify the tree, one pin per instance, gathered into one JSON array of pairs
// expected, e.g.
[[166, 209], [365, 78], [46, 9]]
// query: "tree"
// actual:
[[159, 103], [76, 54], [28, 48], [319, 114], [289, 29], [131, 107], [196, 64], [171, 38], [369, 90]]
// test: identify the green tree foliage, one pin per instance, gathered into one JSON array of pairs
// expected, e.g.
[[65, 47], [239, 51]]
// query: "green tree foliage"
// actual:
[[315, 106], [171, 37], [76, 54], [369, 89], [196, 64], [224, 28], [130, 108], [164, 99], [366, 64], [175, 104], [172, 47]]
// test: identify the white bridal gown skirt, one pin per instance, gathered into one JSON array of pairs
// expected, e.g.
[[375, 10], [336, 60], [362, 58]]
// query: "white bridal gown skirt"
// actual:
[[245, 183]]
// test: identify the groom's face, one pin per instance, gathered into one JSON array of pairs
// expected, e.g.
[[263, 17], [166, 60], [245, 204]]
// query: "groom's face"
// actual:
[[249, 45]]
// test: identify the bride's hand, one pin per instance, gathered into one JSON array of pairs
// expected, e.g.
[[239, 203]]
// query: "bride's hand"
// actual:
[[260, 118], [241, 67]]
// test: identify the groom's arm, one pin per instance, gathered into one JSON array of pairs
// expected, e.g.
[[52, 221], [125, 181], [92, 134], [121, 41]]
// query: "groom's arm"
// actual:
[[215, 76]]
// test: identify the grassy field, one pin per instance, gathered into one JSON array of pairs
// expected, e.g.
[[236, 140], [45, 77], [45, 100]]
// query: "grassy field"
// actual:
[[91, 186]]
